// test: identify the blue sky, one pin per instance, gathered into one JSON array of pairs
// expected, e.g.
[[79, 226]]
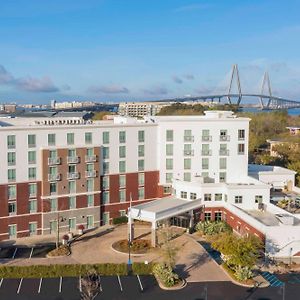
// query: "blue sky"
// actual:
[[145, 49]]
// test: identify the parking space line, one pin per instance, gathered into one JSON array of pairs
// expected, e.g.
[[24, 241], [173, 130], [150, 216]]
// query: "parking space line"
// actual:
[[14, 253], [100, 283], [40, 285], [31, 252], [119, 279], [19, 287], [60, 284], [80, 284], [140, 282], [1, 281]]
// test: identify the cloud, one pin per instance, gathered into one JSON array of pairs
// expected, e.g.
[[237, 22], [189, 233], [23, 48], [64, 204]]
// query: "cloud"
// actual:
[[189, 76], [192, 7], [156, 91], [29, 84], [109, 89], [177, 79]]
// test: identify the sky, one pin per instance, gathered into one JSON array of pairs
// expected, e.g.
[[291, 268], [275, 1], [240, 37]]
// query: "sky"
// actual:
[[122, 50]]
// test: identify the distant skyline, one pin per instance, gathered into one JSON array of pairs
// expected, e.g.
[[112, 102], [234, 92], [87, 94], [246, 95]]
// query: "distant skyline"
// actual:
[[145, 49]]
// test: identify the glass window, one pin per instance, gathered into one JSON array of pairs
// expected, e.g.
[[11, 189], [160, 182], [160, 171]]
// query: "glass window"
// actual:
[[105, 197], [141, 178], [31, 140], [169, 135], [169, 149], [238, 199], [122, 212], [72, 152], [122, 195], [241, 148], [187, 176], [218, 197], [193, 196], [72, 202], [11, 141], [258, 199], [72, 224], [51, 139], [53, 226], [70, 138], [88, 137], [32, 188], [187, 149], [12, 208], [105, 137], [169, 163], [205, 163], [241, 134], [90, 200], [105, 182], [141, 193], [53, 204], [12, 231], [72, 186], [122, 151], [122, 166], [122, 181], [183, 195], [31, 157], [204, 174], [122, 137], [223, 162], [141, 136], [187, 163], [89, 167], [141, 165], [90, 185], [105, 167], [222, 177], [207, 216], [11, 158], [11, 174], [218, 216], [169, 177], [207, 197], [52, 153], [32, 173], [105, 152], [106, 218], [53, 188], [141, 150], [32, 206], [223, 132], [205, 132], [90, 151]]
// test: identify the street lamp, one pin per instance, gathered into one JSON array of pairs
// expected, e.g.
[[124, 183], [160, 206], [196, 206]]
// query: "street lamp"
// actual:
[[129, 255]]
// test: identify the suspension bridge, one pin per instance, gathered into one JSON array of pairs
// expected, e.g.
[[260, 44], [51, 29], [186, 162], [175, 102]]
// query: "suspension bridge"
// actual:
[[266, 100]]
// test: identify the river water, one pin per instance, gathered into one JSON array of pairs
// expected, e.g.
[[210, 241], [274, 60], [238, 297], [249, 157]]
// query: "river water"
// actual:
[[291, 112]]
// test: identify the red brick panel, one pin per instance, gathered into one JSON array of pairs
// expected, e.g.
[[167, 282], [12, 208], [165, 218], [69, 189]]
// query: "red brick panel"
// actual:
[[132, 186], [151, 184]]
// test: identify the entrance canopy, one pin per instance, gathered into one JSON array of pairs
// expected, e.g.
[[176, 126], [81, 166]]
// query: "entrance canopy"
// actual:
[[162, 209]]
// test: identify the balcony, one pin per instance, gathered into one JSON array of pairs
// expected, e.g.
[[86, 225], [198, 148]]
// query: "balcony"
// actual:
[[188, 138], [206, 138], [90, 158], [73, 175], [54, 177], [224, 138], [224, 152], [73, 159], [206, 152], [54, 161], [188, 152], [91, 174]]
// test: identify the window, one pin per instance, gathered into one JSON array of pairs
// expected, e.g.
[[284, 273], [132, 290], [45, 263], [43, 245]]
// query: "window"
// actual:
[[12, 231], [258, 199], [53, 204], [122, 213], [122, 137], [52, 153], [223, 163], [11, 158], [204, 174], [32, 206], [31, 157], [12, 192], [122, 151], [53, 226], [141, 178], [31, 173], [183, 195], [89, 167], [105, 152], [105, 197], [72, 224], [106, 218], [88, 137], [207, 216], [12, 208], [53, 171], [188, 136], [169, 135], [238, 199], [89, 152], [72, 202], [241, 148], [141, 136], [51, 139], [70, 138], [31, 140], [205, 135], [187, 163], [205, 163], [105, 182], [90, 222], [141, 193], [32, 188], [11, 175], [141, 150], [90, 200], [90, 185], [241, 134], [105, 137], [169, 163], [205, 149], [218, 197], [141, 165], [167, 190], [32, 228], [72, 152], [72, 186], [223, 132], [222, 177], [122, 181], [105, 167], [122, 195], [169, 149], [169, 177], [207, 197], [53, 188], [11, 141], [187, 176], [218, 216], [188, 149], [122, 166], [223, 149], [193, 196]]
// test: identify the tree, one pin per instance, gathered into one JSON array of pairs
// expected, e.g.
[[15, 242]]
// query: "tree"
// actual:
[[89, 286]]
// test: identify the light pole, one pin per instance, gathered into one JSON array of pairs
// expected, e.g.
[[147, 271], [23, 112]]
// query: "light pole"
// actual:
[[129, 255]]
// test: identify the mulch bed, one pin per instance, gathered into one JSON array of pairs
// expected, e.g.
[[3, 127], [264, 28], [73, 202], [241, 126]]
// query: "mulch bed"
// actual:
[[140, 246]]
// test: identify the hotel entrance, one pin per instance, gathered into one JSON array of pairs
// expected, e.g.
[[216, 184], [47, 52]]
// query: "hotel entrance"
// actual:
[[182, 221]]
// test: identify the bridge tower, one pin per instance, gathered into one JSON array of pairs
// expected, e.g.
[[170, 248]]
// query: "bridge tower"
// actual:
[[235, 77], [266, 85]]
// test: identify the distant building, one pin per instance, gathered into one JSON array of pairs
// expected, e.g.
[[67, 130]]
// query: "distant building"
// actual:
[[8, 108]]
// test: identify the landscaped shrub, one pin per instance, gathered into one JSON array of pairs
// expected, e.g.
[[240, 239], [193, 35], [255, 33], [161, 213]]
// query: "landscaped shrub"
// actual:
[[120, 220], [243, 273], [142, 268], [165, 275], [212, 227]]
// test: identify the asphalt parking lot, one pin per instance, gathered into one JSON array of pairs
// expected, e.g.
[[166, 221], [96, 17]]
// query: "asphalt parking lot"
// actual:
[[38, 251]]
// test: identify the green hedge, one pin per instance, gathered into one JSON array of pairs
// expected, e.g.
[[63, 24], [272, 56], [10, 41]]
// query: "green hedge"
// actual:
[[61, 270], [142, 268], [120, 220]]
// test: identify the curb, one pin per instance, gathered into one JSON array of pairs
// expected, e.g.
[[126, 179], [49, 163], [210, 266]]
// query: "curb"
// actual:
[[182, 286]]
